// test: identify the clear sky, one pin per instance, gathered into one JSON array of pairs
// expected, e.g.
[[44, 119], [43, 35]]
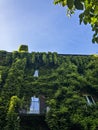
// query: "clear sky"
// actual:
[[43, 27]]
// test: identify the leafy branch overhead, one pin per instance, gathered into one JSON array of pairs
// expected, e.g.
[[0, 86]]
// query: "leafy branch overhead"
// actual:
[[89, 15]]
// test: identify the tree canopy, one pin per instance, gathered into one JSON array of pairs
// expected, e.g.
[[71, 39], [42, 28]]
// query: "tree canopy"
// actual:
[[89, 14]]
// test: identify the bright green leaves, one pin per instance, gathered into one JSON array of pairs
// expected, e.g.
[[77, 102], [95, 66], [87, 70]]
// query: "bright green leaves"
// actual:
[[57, 1], [13, 121], [62, 2], [94, 20], [14, 104], [90, 16]]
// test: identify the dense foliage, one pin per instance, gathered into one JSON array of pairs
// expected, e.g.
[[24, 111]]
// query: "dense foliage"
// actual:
[[89, 14], [23, 48], [63, 79]]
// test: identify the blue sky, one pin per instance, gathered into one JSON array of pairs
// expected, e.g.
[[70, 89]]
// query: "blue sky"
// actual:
[[43, 27]]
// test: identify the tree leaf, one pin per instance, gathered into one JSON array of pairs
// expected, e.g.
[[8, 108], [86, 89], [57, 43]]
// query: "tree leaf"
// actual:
[[70, 4], [78, 5]]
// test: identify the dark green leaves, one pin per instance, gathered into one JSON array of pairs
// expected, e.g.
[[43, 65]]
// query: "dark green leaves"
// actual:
[[78, 4], [70, 3], [23, 48]]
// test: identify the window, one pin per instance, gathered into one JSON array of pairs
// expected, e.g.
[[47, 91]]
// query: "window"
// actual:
[[90, 100], [35, 105], [36, 73]]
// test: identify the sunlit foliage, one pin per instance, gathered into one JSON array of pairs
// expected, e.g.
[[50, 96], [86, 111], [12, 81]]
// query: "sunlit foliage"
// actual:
[[88, 15]]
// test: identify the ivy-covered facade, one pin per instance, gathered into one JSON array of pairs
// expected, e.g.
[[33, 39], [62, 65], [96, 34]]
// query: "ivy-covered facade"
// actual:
[[62, 79]]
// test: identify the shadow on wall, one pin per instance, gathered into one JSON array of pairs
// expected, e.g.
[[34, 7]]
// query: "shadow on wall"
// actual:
[[33, 122]]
